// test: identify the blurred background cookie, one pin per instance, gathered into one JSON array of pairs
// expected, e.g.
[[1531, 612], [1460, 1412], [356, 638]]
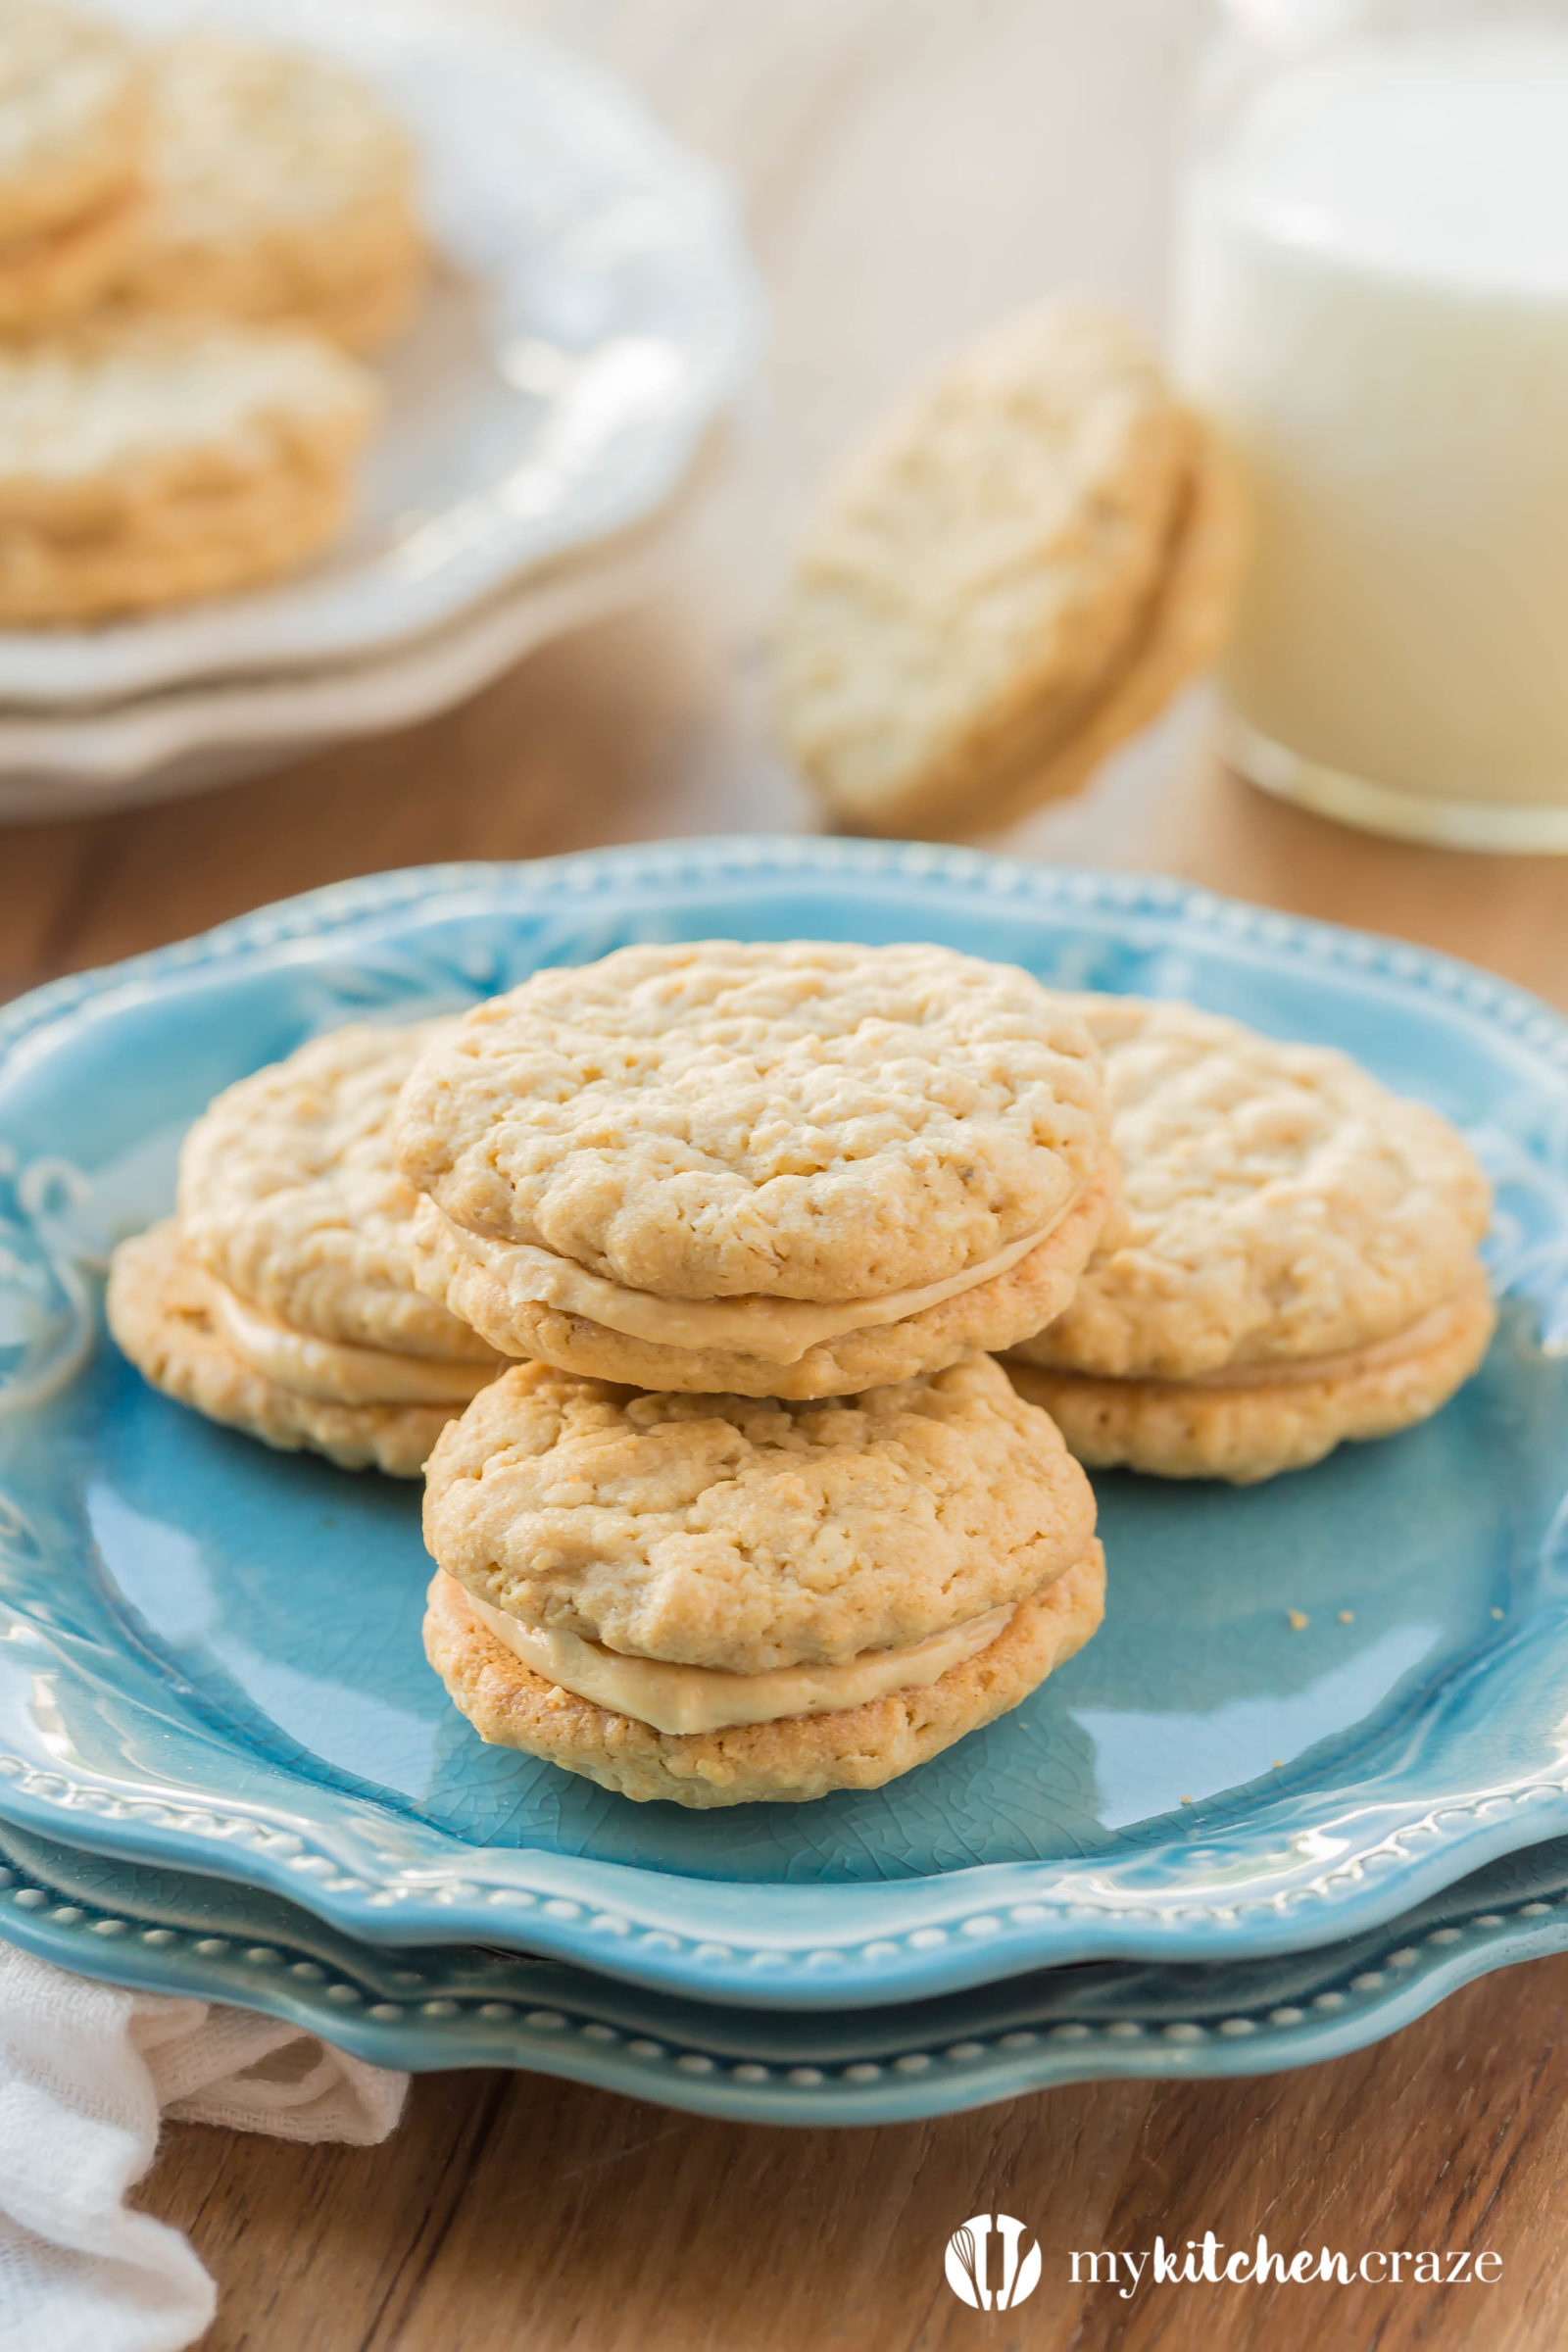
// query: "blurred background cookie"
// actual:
[[1018, 571], [281, 191], [73, 113], [146, 464]]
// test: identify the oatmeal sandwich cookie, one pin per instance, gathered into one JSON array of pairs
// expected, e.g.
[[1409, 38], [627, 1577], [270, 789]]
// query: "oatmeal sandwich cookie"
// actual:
[[1019, 571], [282, 192], [279, 1298], [720, 1599], [796, 1170], [72, 133], [145, 464], [1295, 1262]]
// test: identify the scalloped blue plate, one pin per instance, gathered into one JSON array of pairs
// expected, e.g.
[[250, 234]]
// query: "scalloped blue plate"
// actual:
[[210, 1655], [426, 2007]]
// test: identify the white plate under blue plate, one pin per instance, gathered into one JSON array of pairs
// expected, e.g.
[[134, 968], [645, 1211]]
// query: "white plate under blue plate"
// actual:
[[593, 309], [211, 1656], [431, 2006]]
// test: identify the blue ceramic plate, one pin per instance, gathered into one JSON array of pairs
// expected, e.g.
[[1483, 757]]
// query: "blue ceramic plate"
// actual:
[[211, 1655], [426, 2007]]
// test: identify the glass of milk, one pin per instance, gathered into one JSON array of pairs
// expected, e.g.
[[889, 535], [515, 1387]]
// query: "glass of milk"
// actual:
[[1373, 305]]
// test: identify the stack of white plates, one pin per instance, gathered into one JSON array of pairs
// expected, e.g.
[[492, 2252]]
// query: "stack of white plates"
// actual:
[[593, 313]]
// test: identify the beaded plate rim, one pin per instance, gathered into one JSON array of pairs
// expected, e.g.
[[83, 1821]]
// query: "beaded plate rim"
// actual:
[[427, 2008]]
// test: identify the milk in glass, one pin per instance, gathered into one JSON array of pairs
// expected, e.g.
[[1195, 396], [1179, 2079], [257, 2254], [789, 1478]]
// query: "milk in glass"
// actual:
[[1373, 302]]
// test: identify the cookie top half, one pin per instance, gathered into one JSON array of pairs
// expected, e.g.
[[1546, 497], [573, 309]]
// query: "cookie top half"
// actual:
[[1279, 1203], [288, 1195], [744, 1534], [805, 1120], [73, 115]]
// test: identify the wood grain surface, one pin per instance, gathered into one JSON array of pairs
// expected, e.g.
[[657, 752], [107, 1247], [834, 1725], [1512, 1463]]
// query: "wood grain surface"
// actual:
[[913, 169]]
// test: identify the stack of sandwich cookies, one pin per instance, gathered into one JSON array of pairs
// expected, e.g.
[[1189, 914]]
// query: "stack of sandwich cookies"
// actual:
[[720, 1599], [1294, 1261], [72, 130], [280, 1299], [793, 1171]]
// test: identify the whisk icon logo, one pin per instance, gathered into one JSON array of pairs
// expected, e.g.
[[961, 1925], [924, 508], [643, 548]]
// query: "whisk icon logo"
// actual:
[[987, 2281]]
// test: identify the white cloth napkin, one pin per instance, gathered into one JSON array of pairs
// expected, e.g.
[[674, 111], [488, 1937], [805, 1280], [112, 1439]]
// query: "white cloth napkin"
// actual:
[[86, 2072]]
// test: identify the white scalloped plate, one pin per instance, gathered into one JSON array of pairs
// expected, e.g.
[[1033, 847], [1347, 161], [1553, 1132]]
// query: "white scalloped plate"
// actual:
[[161, 747], [210, 1654], [593, 311]]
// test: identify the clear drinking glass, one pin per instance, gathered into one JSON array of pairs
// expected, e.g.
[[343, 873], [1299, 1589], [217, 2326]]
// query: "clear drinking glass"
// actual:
[[1372, 302]]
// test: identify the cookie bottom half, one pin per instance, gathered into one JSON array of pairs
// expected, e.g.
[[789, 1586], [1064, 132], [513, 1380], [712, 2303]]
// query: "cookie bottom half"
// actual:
[[160, 1311], [791, 1761], [994, 1315], [1252, 1431]]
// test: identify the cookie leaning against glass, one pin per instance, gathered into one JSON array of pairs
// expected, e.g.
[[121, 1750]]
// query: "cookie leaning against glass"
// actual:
[[1293, 1263], [776, 1170], [278, 1299], [1015, 574], [723, 1599]]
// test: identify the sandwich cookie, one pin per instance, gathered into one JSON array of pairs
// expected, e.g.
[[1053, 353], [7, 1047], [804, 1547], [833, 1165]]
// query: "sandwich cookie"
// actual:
[[796, 1170], [148, 464], [1295, 1262], [723, 1599], [72, 129], [1020, 570], [282, 192], [279, 1298]]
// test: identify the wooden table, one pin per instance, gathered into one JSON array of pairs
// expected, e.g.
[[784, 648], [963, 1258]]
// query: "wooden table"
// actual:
[[914, 168]]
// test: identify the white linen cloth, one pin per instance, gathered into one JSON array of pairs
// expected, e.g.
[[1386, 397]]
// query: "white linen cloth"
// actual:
[[87, 2074]]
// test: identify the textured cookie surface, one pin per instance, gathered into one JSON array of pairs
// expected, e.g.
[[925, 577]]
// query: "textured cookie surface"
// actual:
[[288, 1194], [790, 1761], [160, 1312], [991, 1314], [803, 1121], [143, 464], [1253, 1430], [72, 116], [281, 191], [976, 572], [1278, 1204], [745, 1534]]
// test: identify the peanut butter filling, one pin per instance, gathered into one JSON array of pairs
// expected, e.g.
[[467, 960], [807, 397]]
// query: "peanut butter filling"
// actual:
[[335, 1373], [778, 1331], [679, 1699]]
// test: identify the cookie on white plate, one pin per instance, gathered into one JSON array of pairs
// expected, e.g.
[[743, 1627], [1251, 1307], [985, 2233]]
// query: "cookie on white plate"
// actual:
[[144, 464], [283, 191], [73, 113]]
